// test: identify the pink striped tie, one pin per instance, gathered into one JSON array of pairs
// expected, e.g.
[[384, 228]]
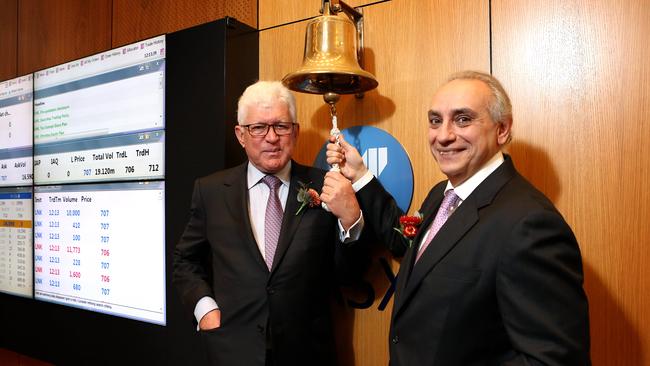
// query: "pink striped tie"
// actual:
[[272, 219], [446, 209]]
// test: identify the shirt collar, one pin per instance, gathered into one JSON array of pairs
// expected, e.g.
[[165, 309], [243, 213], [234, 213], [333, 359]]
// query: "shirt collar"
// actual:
[[467, 187], [254, 175]]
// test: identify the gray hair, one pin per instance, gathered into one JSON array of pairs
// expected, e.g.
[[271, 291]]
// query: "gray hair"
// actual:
[[500, 107], [265, 94]]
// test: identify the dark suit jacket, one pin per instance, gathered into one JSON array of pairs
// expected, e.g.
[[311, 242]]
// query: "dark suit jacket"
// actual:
[[500, 284], [287, 308]]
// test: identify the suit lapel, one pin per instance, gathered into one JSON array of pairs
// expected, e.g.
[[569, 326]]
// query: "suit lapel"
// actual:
[[428, 211], [449, 235], [237, 199], [290, 221], [458, 224]]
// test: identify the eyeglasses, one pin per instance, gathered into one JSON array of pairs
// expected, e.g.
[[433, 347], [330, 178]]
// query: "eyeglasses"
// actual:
[[261, 129]]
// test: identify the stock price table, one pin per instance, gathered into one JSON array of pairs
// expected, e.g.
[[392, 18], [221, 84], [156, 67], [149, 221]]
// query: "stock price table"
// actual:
[[16, 241], [131, 156], [101, 247]]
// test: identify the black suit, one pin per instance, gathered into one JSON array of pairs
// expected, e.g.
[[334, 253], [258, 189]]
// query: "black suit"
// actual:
[[500, 284], [286, 309]]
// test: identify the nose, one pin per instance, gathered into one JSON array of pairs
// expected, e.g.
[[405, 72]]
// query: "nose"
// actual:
[[271, 135], [445, 133]]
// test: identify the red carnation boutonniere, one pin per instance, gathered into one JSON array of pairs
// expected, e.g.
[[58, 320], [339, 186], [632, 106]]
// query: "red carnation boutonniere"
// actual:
[[408, 226], [307, 197]]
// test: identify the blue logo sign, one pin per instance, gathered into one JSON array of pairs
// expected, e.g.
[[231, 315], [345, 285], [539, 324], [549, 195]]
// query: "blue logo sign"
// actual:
[[385, 158]]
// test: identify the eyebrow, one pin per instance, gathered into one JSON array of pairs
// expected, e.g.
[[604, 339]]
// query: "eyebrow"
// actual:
[[464, 111], [270, 123], [431, 113], [455, 112]]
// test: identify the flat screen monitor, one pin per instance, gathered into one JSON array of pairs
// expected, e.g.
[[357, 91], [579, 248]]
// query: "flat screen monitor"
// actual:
[[16, 131], [16, 241], [101, 118], [101, 247]]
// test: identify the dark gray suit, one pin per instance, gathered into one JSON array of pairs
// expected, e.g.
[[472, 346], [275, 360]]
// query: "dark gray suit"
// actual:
[[500, 284], [287, 308]]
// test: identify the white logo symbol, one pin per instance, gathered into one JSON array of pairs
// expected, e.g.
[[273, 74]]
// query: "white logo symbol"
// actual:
[[376, 159]]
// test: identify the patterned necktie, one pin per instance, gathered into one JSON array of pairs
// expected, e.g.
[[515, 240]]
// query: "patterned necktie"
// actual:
[[447, 207], [272, 219]]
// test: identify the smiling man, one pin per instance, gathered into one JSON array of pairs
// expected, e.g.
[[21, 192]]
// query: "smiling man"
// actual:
[[254, 269], [494, 276]]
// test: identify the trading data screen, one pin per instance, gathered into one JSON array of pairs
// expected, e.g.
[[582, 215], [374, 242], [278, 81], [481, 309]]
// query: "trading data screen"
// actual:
[[101, 118], [16, 274], [101, 247], [16, 131]]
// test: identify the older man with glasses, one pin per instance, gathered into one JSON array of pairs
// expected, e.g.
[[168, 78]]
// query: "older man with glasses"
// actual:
[[254, 266]]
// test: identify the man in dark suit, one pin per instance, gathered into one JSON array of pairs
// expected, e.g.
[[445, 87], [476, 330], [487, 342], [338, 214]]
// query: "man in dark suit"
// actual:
[[255, 268], [494, 275]]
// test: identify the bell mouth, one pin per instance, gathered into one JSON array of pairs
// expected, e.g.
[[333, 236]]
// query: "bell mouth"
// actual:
[[326, 81], [331, 59]]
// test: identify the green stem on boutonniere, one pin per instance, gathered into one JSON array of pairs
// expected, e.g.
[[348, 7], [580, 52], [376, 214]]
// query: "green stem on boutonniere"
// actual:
[[304, 203], [307, 196]]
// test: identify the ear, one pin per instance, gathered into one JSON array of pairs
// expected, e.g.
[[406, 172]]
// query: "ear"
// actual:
[[239, 132], [503, 131]]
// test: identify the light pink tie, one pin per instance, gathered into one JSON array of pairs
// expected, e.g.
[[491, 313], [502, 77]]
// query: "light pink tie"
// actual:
[[272, 219], [446, 209]]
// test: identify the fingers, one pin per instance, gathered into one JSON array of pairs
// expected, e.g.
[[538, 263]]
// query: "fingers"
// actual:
[[344, 144], [334, 154], [333, 184], [348, 159], [337, 192], [334, 180]]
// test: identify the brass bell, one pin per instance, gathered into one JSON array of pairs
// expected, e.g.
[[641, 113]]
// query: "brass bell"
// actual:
[[330, 63]]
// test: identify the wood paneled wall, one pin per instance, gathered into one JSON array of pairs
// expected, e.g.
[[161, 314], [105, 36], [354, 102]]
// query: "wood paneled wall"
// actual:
[[36, 34], [53, 32], [139, 19], [578, 73], [8, 38], [278, 12]]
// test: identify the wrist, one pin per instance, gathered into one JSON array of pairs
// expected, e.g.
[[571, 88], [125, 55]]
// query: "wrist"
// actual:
[[348, 222], [360, 173]]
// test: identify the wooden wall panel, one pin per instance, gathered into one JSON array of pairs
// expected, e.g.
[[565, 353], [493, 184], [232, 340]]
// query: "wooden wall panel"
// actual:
[[8, 35], [578, 72], [411, 47], [277, 12], [138, 19], [53, 32]]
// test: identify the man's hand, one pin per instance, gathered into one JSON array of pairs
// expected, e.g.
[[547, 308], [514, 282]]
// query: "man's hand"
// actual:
[[211, 320], [349, 160], [340, 199]]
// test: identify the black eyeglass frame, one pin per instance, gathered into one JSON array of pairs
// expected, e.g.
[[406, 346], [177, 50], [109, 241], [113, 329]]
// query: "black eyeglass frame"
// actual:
[[268, 126]]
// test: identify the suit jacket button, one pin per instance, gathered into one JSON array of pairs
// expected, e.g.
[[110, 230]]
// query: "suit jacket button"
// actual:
[[260, 328], [270, 290], [395, 339]]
